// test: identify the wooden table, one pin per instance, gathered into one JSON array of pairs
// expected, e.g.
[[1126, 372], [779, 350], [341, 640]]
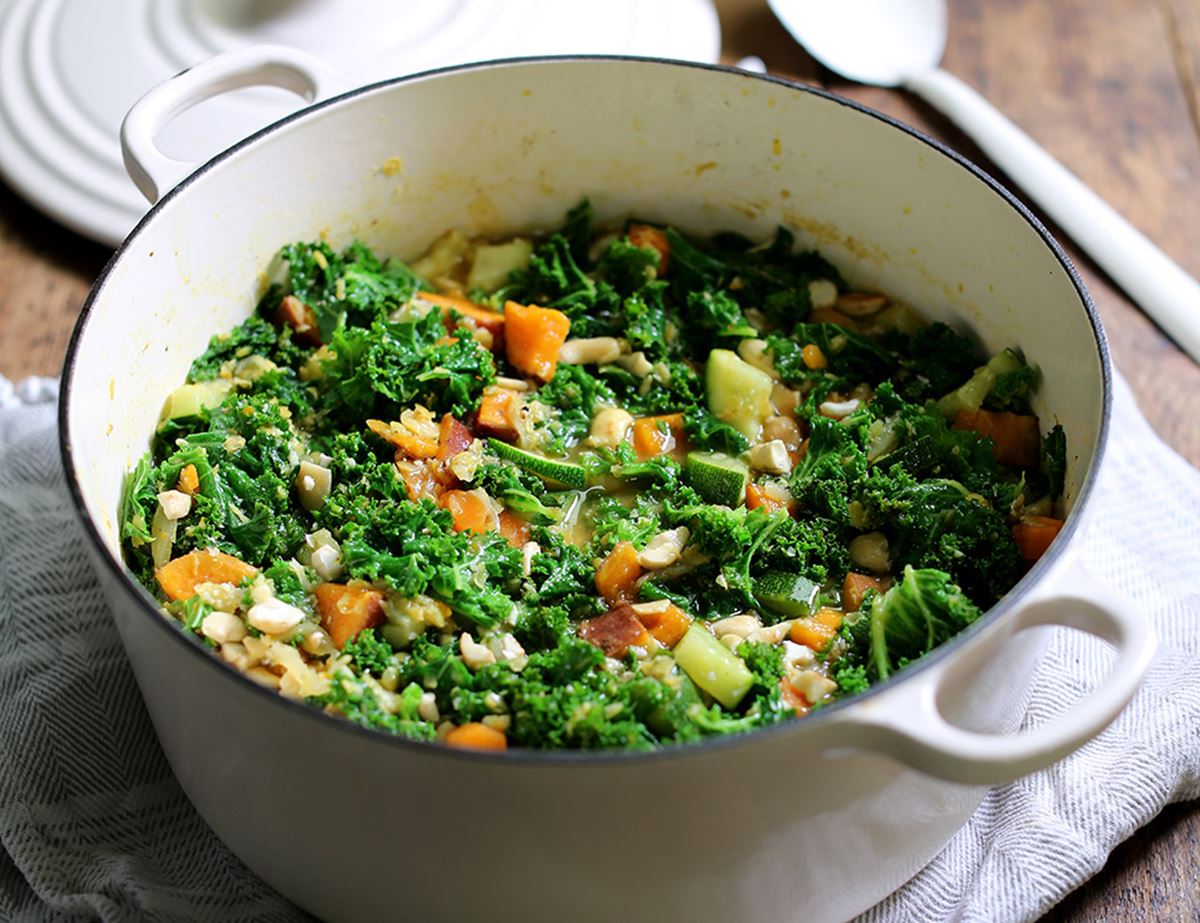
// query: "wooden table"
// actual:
[[1110, 87]]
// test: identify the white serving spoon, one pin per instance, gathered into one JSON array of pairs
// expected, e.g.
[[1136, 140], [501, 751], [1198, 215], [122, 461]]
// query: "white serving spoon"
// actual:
[[899, 43]]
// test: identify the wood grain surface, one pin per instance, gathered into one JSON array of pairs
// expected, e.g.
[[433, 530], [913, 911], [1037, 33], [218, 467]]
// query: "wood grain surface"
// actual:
[[1110, 87]]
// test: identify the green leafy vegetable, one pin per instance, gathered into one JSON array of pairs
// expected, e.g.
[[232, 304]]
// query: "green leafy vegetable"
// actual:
[[920, 612], [472, 560]]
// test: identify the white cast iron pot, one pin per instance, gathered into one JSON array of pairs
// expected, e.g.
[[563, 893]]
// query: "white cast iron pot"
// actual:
[[815, 820]]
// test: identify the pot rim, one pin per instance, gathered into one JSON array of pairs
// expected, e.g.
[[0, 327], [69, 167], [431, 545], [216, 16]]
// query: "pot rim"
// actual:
[[603, 757]]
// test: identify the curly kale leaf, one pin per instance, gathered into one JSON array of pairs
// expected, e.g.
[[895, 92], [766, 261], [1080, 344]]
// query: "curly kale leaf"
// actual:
[[429, 558], [253, 337], [437, 668], [933, 360], [711, 314], [614, 521], [920, 612], [627, 266], [1012, 390], [386, 367], [707, 433], [938, 523], [138, 503], [355, 701], [1054, 460], [353, 287], [412, 547], [765, 662], [673, 386], [577, 229], [825, 480], [542, 628], [575, 393], [852, 679], [851, 357], [555, 277], [562, 575], [774, 279], [810, 545], [564, 698], [644, 321], [918, 439], [692, 269], [522, 492], [243, 453], [373, 289], [937, 493], [369, 652], [287, 585], [733, 537], [659, 475]]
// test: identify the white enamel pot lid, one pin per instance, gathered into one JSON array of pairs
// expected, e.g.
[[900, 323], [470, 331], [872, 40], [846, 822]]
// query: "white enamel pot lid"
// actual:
[[69, 69], [912, 727]]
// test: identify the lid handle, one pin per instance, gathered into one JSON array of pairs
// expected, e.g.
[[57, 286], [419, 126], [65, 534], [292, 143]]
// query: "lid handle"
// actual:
[[152, 171]]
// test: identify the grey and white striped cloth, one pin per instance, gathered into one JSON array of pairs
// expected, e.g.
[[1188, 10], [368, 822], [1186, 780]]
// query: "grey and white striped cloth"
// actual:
[[94, 826]]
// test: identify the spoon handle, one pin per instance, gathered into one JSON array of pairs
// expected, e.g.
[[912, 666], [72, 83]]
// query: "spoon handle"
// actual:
[[1163, 290]]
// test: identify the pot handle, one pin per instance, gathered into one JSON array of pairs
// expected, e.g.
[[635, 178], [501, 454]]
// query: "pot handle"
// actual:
[[908, 724], [152, 171]]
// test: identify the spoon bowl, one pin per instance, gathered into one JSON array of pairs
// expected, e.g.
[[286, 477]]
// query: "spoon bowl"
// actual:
[[879, 42]]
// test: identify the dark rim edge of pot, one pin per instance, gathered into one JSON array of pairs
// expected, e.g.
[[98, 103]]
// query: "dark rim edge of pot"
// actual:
[[151, 609]]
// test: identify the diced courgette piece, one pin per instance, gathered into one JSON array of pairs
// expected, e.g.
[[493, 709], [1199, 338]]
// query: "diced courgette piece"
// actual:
[[717, 477], [494, 263], [882, 439], [737, 392], [898, 317], [788, 595], [446, 252], [713, 667], [566, 474], [970, 395], [669, 719], [190, 400]]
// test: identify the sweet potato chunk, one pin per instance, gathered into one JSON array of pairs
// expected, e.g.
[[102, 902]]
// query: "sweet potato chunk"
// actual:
[[407, 442], [453, 437], [498, 414], [817, 630], [617, 574], [514, 528], [855, 588], [1034, 535], [654, 436], [470, 511], [491, 321], [667, 624], [179, 578], [476, 736], [1015, 438], [533, 337], [347, 610], [615, 632], [646, 235]]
